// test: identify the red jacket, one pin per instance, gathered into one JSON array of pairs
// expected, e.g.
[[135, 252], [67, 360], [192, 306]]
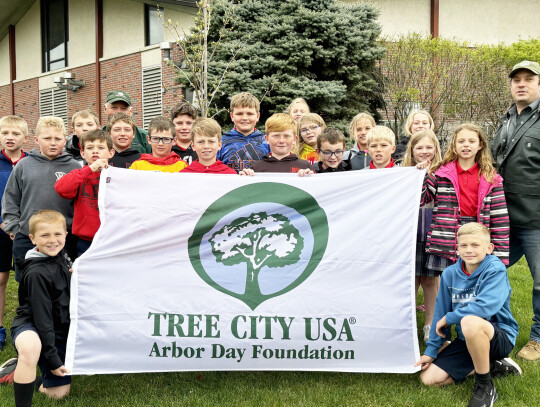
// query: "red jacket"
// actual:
[[217, 168], [82, 186]]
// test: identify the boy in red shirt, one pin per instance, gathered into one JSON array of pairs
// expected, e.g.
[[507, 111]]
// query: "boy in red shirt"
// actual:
[[206, 142], [82, 185]]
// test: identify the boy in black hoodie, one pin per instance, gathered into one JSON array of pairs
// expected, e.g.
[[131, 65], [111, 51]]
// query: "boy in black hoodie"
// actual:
[[330, 148], [40, 327], [281, 136]]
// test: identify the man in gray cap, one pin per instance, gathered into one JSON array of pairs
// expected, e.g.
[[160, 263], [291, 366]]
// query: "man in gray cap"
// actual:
[[119, 101], [516, 150]]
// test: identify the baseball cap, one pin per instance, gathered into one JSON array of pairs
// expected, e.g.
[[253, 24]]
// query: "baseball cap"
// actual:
[[528, 65], [119, 96]]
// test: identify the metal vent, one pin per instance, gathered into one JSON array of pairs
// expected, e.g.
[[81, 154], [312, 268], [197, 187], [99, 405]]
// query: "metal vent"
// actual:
[[151, 90], [53, 102]]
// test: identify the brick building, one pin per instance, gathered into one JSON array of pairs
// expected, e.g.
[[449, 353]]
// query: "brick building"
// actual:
[[108, 44]]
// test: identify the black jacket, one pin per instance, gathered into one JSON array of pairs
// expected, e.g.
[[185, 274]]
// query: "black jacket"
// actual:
[[517, 159], [188, 155], [343, 166], [125, 158], [44, 302]]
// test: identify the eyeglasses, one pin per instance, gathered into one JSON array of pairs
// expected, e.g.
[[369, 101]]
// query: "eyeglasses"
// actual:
[[307, 130], [164, 140], [329, 154]]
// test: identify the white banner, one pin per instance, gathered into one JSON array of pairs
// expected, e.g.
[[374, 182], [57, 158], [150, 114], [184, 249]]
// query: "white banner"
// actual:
[[271, 272]]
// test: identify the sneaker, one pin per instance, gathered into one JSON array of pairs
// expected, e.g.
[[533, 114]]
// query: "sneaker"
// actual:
[[7, 370], [504, 367], [427, 328], [531, 351], [3, 337], [483, 396]]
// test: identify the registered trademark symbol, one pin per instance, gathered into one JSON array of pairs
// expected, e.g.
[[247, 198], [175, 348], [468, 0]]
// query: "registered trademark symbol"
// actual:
[[352, 320]]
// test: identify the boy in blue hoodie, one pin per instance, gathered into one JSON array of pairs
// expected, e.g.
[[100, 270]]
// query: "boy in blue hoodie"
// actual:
[[244, 144], [13, 134], [30, 188], [474, 296]]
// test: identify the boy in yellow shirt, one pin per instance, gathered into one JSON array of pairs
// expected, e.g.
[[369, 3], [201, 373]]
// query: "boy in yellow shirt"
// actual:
[[161, 133]]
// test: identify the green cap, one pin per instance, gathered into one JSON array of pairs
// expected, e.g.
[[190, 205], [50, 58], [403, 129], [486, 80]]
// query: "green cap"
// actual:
[[528, 65], [118, 96]]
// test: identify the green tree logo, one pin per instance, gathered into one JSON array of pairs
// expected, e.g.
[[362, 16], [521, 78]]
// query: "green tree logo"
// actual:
[[258, 239]]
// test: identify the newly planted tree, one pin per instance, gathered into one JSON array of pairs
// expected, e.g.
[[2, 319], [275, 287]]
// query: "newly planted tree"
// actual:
[[259, 240]]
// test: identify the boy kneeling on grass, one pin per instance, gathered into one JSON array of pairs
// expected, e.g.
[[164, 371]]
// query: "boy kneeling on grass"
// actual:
[[40, 328], [474, 296]]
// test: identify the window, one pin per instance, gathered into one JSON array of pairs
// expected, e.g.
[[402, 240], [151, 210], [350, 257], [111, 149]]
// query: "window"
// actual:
[[153, 26], [54, 34]]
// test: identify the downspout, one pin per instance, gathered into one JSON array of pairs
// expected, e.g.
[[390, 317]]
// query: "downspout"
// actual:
[[99, 54], [434, 26], [12, 66]]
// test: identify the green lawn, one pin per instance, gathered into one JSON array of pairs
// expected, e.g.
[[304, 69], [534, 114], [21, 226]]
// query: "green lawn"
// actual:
[[293, 388]]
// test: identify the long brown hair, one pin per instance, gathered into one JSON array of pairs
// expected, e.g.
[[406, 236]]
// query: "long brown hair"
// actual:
[[483, 156]]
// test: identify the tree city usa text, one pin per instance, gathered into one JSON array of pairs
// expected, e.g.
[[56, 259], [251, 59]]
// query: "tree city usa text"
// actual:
[[249, 327]]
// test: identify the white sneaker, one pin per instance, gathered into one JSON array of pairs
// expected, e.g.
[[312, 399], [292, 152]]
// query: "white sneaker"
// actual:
[[427, 328]]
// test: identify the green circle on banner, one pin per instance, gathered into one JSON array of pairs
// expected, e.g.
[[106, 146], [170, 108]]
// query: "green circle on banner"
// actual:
[[258, 239]]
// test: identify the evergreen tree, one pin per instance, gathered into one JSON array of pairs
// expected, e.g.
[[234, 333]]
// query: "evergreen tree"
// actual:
[[322, 50]]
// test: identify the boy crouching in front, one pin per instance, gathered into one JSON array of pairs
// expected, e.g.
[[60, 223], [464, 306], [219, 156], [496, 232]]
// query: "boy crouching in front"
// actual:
[[474, 296], [40, 328]]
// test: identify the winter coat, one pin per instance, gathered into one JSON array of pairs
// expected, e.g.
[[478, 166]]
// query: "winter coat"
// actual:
[[443, 188], [517, 159]]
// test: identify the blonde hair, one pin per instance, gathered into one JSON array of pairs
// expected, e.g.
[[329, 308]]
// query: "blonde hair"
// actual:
[[280, 122], [84, 114], [354, 123], [245, 99], [483, 156], [474, 228], [410, 120], [50, 121], [381, 133], [307, 118], [46, 216], [206, 127], [295, 101], [15, 121], [409, 160]]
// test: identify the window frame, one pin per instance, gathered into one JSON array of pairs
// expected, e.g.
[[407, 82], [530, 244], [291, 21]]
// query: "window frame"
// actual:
[[147, 9], [45, 37]]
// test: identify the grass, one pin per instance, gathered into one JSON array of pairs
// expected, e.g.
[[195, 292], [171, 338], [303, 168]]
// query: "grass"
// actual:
[[268, 389]]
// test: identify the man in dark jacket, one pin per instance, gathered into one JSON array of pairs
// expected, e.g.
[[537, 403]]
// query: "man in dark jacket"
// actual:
[[516, 149]]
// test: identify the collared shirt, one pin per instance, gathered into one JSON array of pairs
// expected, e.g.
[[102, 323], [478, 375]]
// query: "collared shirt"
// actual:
[[515, 120], [468, 182]]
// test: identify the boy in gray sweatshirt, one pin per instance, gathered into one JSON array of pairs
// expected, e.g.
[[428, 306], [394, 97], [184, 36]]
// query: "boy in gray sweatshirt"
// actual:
[[30, 188]]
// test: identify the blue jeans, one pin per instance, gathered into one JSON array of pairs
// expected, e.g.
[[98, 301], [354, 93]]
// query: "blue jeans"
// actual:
[[527, 242]]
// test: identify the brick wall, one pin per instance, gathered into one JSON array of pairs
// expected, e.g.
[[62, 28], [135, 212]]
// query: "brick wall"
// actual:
[[172, 91], [125, 74], [5, 100]]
